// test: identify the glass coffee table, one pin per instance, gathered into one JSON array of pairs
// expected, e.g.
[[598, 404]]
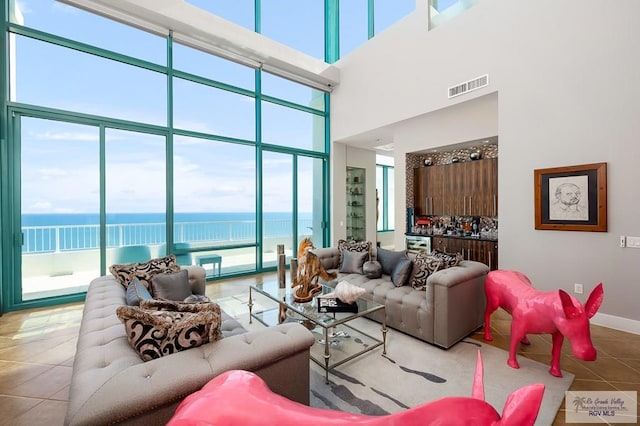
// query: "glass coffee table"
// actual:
[[337, 340]]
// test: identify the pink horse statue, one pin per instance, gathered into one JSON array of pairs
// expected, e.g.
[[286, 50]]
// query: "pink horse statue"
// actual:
[[242, 398], [536, 312]]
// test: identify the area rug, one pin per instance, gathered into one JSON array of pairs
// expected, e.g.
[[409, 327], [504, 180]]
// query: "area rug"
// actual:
[[414, 372]]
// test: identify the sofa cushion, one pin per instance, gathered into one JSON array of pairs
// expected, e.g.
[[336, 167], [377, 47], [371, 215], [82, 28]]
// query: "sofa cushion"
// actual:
[[137, 292], [449, 259], [361, 247], [352, 262], [372, 269], [171, 286], [423, 266], [402, 271], [156, 333], [124, 273], [389, 259]]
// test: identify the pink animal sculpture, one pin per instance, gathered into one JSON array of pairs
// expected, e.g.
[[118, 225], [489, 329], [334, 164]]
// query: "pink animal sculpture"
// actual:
[[536, 312], [242, 398]]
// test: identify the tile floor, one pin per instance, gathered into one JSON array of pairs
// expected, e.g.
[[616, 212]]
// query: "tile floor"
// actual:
[[37, 348]]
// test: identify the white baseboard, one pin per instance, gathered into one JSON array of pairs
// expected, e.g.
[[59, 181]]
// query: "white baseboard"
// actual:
[[617, 323]]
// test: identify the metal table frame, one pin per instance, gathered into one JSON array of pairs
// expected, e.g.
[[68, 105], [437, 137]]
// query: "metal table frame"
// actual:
[[282, 296]]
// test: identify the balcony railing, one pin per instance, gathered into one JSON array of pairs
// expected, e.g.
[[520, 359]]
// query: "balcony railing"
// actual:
[[59, 238]]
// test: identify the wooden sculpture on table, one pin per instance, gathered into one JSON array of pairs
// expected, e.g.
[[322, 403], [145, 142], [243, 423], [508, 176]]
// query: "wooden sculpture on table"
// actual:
[[242, 398], [310, 270], [536, 312]]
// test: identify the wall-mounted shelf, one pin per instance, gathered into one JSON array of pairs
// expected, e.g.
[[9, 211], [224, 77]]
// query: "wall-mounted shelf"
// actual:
[[355, 188]]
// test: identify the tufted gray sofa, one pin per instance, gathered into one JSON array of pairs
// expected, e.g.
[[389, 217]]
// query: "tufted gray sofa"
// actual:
[[451, 308], [111, 384]]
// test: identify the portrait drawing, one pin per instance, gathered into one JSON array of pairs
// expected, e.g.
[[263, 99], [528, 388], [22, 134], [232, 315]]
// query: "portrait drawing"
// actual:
[[569, 198]]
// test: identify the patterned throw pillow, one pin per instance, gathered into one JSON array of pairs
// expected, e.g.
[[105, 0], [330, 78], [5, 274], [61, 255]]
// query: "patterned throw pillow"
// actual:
[[449, 259], [360, 247], [423, 266], [154, 334], [144, 271]]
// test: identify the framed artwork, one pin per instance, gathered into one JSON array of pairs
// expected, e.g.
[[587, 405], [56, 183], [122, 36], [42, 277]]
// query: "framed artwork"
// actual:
[[572, 198]]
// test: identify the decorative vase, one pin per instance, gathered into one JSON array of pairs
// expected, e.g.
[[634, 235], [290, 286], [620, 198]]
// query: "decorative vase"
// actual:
[[475, 155]]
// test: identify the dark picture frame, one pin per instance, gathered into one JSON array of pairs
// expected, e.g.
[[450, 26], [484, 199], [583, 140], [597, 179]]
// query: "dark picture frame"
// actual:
[[572, 198]]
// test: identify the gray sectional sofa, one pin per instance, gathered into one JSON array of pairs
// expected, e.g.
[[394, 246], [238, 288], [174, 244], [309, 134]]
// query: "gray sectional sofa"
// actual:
[[449, 309], [111, 384]]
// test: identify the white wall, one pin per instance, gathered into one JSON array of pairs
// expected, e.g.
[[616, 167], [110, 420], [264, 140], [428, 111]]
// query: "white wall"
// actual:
[[565, 74]]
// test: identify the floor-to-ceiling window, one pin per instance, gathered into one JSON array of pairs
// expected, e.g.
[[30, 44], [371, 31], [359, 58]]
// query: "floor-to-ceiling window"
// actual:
[[128, 145], [59, 205], [301, 24], [385, 192]]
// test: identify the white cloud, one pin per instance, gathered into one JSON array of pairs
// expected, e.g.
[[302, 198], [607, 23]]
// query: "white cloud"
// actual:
[[67, 136], [52, 173]]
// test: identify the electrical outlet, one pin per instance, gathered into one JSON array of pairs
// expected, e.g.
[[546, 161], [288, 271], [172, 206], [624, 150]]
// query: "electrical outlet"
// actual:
[[623, 241], [577, 288]]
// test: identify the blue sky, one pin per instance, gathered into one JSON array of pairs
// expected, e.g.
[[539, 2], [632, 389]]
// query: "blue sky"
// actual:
[[219, 178]]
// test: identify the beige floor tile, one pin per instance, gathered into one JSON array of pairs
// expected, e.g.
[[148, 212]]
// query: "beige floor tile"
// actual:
[[46, 413], [35, 392], [13, 374], [46, 384], [15, 406]]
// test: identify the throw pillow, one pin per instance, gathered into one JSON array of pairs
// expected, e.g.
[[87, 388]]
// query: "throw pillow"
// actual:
[[174, 286], [137, 292], [402, 271], [174, 305], [197, 298], [449, 259], [352, 262], [144, 271], [372, 269], [360, 247], [389, 259], [154, 334], [423, 266]]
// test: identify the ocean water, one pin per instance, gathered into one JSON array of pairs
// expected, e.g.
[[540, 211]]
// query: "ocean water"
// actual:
[[59, 232], [129, 218]]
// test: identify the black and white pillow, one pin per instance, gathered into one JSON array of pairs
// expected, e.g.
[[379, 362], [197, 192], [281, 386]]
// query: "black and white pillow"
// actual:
[[156, 333], [144, 271], [423, 267], [449, 259]]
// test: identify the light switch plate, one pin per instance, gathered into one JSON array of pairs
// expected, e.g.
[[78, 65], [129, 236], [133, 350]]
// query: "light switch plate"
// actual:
[[633, 242]]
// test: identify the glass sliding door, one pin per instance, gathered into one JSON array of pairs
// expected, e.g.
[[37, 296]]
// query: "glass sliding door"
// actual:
[[59, 206], [277, 206], [215, 204], [135, 196], [310, 200]]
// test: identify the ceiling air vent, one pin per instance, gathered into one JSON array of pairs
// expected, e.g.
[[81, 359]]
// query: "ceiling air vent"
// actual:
[[468, 86]]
